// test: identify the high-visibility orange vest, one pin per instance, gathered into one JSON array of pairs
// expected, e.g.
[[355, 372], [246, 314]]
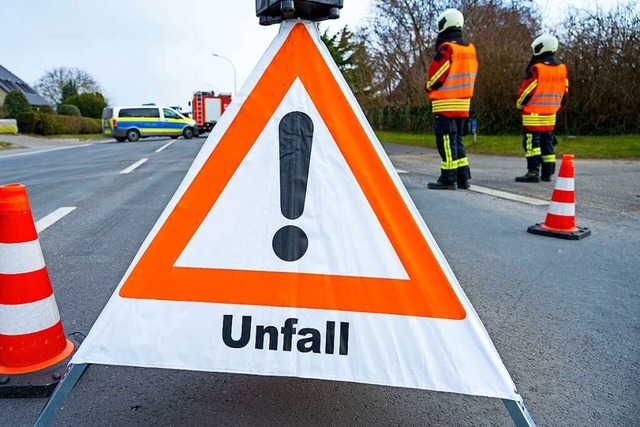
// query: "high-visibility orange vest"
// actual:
[[547, 96], [454, 96]]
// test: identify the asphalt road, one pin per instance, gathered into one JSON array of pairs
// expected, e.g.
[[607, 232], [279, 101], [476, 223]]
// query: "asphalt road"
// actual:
[[562, 314]]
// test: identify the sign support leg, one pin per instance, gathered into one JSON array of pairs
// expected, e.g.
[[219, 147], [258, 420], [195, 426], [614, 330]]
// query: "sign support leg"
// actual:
[[519, 413], [60, 394]]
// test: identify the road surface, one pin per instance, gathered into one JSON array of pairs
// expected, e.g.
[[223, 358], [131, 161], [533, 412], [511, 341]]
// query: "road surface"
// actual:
[[562, 314]]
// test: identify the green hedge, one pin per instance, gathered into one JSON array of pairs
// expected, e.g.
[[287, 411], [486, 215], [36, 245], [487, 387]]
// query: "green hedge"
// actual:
[[414, 119], [90, 104], [28, 122], [45, 109], [54, 124], [419, 120], [69, 110]]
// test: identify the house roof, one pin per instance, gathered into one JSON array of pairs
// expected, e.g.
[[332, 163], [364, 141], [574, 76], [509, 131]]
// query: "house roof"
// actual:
[[9, 82]]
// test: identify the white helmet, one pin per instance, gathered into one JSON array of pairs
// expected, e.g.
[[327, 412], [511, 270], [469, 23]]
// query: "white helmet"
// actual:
[[544, 43], [450, 18]]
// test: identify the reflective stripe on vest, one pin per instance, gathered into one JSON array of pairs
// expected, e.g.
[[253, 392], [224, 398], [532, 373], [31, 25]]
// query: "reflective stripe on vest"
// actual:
[[447, 105], [538, 120], [456, 92], [547, 96], [459, 81], [548, 99]]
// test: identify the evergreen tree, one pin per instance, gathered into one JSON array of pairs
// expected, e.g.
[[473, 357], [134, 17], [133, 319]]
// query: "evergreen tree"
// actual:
[[90, 104], [350, 55], [15, 103]]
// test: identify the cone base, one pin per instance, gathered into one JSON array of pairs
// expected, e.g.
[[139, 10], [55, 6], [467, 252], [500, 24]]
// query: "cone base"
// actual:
[[34, 384], [14, 370], [39, 383], [578, 234]]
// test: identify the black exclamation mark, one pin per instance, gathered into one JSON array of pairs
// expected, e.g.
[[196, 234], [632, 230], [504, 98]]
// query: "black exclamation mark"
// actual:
[[290, 243]]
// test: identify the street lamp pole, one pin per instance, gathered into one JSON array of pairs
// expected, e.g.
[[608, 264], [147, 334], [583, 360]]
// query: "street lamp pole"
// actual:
[[235, 87]]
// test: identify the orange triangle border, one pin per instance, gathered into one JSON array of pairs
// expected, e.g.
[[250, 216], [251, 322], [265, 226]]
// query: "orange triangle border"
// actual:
[[427, 293]]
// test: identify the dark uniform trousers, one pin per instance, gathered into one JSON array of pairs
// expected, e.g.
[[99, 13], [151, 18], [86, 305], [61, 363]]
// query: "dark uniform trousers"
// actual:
[[454, 166], [539, 149]]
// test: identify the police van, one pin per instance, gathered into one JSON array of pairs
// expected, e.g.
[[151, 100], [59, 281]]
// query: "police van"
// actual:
[[133, 123]]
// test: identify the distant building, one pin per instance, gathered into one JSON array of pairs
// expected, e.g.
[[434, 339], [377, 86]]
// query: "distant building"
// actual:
[[9, 82]]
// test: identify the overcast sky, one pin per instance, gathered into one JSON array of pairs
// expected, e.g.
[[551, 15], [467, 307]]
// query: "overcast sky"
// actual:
[[153, 50]]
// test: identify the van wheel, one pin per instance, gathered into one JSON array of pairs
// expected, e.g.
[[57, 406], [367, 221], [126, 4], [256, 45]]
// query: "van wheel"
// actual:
[[133, 135], [121, 139], [187, 133]]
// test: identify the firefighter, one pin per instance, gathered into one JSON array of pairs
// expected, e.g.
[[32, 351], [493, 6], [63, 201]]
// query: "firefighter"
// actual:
[[452, 76], [542, 93]]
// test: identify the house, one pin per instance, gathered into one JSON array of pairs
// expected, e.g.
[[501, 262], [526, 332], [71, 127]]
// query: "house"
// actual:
[[9, 82]]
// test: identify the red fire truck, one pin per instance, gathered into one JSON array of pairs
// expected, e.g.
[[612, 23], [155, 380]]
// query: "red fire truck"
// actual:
[[207, 107]]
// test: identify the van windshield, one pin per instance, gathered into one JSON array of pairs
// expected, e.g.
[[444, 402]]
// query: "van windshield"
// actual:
[[170, 114]]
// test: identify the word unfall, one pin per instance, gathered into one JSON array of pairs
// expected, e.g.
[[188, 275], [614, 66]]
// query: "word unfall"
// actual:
[[308, 340]]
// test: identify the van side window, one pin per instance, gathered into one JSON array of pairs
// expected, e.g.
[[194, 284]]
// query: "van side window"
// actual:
[[140, 112], [150, 112], [127, 112], [170, 114]]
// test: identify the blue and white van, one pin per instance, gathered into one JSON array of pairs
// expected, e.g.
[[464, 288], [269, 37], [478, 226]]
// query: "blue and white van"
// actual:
[[133, 123]]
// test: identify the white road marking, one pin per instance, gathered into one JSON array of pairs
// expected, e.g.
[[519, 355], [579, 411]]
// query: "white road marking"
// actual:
[[46, 151], [52, 218], [164, 146], [134, 166], [508, 196], [501, 194]]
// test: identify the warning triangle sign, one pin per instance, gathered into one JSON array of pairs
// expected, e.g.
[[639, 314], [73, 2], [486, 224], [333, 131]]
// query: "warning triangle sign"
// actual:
[[359, 230], [292, 214]]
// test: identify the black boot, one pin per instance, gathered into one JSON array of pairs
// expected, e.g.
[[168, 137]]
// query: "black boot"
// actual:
[[529, 177], [464, 175], [440, 185], [548, 169]]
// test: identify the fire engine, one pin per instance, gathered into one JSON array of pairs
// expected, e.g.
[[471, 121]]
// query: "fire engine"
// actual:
[[207, 107]]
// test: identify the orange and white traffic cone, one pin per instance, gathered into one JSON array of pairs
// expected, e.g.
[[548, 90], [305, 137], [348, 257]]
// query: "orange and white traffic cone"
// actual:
[[32, 339], [561, 218]]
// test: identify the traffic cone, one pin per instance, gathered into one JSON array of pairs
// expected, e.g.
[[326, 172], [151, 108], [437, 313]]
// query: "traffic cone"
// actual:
[[561, 218], [32, 341]]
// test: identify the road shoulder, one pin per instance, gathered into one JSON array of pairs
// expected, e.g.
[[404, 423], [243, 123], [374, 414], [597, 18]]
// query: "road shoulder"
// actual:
[[29, 143]]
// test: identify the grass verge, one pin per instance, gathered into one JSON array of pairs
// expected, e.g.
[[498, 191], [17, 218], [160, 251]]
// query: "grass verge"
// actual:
[[586, 147], [5, 144]]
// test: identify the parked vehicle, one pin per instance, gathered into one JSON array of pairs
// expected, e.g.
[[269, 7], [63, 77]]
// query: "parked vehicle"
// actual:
[[133, 123], [207, 107]]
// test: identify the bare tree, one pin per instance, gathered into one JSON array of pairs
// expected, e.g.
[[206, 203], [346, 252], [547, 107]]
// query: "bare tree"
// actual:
[[401, 40], [62, 82], [602, 51], [400, 35], [502, 33]]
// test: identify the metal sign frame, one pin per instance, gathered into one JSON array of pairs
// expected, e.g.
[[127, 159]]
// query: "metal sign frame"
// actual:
[[517, 410]]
